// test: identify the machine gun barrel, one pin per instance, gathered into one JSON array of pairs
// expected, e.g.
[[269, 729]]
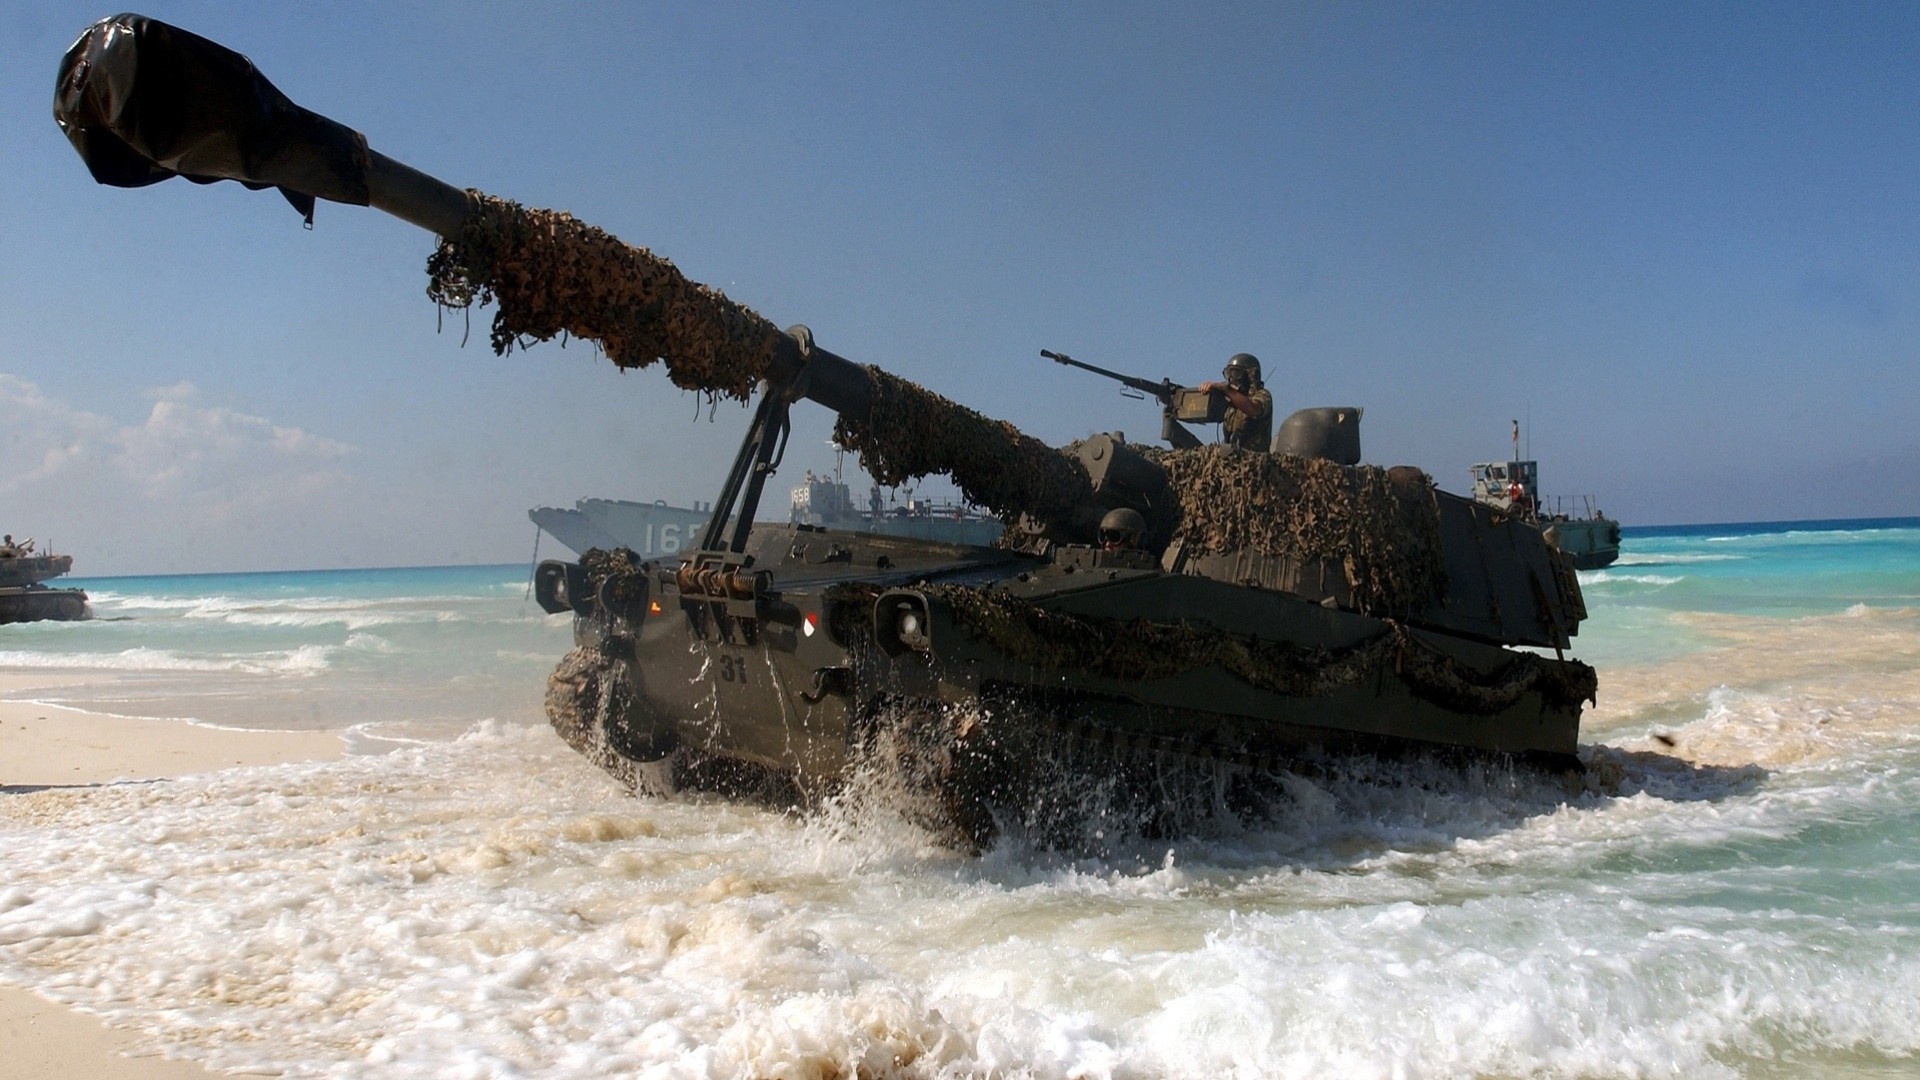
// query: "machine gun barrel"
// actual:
[[1177, 403], [1163, 390], [143, 101]]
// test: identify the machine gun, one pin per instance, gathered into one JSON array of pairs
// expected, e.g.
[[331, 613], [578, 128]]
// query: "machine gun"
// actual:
[[1179, 405]]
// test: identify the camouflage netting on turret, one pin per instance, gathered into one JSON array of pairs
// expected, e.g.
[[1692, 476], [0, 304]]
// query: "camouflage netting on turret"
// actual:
[[912, 432], [1384, 538], [553, 274], [1139, 650]]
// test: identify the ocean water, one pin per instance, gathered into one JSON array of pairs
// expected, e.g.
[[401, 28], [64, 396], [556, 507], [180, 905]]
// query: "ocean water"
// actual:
[[1734, 892], [429, 648]]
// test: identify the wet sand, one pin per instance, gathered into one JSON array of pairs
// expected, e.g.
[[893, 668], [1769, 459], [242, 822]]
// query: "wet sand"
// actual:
[[47, 746]]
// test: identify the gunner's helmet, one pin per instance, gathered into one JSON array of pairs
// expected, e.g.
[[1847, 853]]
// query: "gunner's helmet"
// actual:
[[1246, 363]]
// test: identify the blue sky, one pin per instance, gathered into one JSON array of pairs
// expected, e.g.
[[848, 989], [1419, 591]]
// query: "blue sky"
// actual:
[[1679, 241]]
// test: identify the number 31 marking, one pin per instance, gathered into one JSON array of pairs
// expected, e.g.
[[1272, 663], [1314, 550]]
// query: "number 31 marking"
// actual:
[[733, 668]]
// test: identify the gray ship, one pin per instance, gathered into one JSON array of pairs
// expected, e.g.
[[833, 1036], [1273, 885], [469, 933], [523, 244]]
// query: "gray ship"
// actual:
[[827, 503], [657, 529], [649, 530], [1573, 524], [23, 595]]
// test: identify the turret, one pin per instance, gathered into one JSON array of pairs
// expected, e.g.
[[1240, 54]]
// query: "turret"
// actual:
[[20, 566]]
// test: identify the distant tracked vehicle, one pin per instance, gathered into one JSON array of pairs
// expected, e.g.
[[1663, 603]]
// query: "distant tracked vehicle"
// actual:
[[23, 595]]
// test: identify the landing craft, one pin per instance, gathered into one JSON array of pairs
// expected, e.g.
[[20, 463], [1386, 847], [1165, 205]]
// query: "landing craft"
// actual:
[[1573, 526], [1148, 612]]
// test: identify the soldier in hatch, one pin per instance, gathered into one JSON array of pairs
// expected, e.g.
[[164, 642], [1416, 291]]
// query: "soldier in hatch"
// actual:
[[1122, 529], [1249, 422]]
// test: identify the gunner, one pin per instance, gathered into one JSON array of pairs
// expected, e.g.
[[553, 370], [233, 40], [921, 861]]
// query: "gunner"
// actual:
[[1249, 422]]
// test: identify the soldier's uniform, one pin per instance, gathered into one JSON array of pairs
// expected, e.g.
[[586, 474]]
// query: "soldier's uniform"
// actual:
[[1250, 432]]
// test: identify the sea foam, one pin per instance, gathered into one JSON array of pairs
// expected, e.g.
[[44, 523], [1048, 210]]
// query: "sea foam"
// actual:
[[304, 660], [497, 903]]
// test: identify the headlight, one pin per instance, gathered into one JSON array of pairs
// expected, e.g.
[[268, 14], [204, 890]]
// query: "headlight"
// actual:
[[912, 629], [901, 625]]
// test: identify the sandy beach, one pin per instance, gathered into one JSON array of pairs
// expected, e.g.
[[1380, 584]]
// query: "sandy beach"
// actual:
[[47, 746]]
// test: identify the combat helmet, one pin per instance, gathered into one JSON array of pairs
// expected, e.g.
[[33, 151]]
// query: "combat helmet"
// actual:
[[1243, 362], [1122, 528]]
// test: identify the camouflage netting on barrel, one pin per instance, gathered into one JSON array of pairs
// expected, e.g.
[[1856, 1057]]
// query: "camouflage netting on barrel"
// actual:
[[912, 432], [1139, 650], [1385, 538], [552, 273], [1444, 681], [617, 580]]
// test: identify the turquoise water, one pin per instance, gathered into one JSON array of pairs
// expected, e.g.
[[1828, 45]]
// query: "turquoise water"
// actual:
[[1771, 570], [306, 649], [1734, 890]]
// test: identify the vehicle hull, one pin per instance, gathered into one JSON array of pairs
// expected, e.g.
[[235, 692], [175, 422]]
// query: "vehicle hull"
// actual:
[[37, 603], [1014, 656]]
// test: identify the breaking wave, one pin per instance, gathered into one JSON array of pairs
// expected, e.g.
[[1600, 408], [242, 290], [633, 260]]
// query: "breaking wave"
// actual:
[[1630, 558], [304, 613], [1603, 577], [305, 660]]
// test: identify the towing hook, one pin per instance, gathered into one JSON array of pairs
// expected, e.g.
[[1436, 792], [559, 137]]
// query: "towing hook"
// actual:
[[829, 680]]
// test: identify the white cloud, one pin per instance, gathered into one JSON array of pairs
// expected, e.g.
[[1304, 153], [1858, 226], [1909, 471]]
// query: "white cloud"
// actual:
[[229, 461], [188, 473], [44, 438]]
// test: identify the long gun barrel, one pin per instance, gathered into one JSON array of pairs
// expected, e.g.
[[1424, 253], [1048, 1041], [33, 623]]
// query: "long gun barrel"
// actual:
[[1164, 390], [143, 101], [1177, 403]]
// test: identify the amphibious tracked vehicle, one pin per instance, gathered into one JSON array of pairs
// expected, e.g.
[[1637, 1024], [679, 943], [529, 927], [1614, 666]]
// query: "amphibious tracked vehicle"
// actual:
[[1250, 612], [24, 594]]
